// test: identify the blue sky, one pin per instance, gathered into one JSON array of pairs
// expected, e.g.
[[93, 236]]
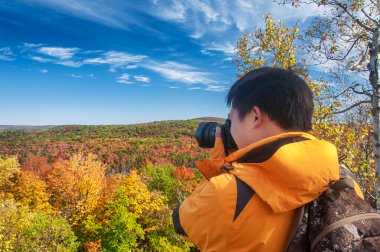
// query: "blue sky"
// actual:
[[123, 62]]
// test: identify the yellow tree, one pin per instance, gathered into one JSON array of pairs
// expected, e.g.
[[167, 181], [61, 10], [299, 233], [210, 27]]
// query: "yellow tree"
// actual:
[[348, 33], [7, 168], [277, 41], [134, 219], [76, 186], [29, 190], [275, 45]]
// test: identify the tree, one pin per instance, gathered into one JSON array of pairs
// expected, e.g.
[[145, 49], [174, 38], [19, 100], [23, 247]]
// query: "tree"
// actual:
[[24, 230], [276, 46], [272, 46], [76, 186], [276, 41], [29, 190], [37, 165], [135, 219], [7, 168], [349, 34]]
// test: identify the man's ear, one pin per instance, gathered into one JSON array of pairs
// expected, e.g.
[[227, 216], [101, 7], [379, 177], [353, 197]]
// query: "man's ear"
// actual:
[[257, 117]]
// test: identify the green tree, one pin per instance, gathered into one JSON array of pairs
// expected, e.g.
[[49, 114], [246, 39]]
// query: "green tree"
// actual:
[[135, 219], [24, 230]]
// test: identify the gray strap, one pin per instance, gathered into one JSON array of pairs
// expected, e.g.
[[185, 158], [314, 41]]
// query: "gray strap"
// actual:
[[343, 222], [296, 222]]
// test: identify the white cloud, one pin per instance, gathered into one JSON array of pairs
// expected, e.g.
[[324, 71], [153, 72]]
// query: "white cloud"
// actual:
[[174, 87], [76, 76], [69, 63], [142, 78], [210, 14], [44, 71], [116, 59], [206, 52], [6, 54], [179, 72], [194, 88], [228, 59], [39, 59], [215, 88], [30, 45], [176, 11], [226, 47], [56, 55], [61, 53], [124, 78], [114, 14], [131, 67], [76, 57]]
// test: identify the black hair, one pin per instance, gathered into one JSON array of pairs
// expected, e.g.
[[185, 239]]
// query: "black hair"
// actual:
[[281, 94]]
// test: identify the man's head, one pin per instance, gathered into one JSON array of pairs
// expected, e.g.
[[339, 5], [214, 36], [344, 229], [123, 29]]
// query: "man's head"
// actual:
[[269, 101]]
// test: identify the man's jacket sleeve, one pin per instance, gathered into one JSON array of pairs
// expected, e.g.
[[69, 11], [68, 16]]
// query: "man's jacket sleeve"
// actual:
[[201, 218]]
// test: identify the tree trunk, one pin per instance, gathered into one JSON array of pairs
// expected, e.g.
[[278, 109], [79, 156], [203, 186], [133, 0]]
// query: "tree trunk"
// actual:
[[374, 80]]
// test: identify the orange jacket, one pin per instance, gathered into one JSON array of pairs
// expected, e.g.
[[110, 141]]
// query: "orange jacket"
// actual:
[[248, 199]]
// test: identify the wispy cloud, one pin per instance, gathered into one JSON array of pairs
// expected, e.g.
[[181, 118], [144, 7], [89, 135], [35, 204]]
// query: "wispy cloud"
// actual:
[[57, 55], [124, 78], [44, 71], [76, 76], [194, 88], [212, 16], [6, 54], [225, 47], [142, 78], [119, 61], [215, 88], [131, 67], [116, 59], [98, 11], [58, 52], [39, 59], [176, 11], [180, 72]]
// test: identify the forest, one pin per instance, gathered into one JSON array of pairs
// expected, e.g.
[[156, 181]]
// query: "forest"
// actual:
[[112, 188], [75, 188]]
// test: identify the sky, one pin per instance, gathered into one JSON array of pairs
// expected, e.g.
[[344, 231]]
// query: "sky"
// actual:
[[123, 62]]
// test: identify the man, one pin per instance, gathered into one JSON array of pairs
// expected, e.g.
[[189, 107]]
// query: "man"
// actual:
[[248, 199]]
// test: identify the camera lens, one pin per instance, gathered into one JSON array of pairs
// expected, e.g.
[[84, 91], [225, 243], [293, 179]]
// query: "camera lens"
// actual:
[[205, 134]]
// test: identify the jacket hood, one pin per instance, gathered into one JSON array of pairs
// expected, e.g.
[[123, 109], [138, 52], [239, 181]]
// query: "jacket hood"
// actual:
[[287, 170]]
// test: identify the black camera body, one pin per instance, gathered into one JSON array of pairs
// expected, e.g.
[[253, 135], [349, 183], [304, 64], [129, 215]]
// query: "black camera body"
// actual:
[[205, 135]]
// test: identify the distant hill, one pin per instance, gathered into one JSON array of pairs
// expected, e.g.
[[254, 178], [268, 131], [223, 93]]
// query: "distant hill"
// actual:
[[119, 147], [45, 127], [25, 127], [211, 119]]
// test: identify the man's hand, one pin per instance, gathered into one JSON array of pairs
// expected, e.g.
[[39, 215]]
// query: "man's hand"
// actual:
[[218, 132], [219, 142], [218, 152]]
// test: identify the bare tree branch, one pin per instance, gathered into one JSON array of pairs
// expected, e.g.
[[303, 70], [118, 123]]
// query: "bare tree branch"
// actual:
[[351, 107], [348, 52], [373, 20], [344, 91], [344, 8]]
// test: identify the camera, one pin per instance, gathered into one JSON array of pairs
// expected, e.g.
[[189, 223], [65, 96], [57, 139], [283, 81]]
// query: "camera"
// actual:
[[205, 135]]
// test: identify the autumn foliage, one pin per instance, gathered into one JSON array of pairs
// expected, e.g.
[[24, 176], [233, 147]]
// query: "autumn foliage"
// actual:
[[113, 188], [109, 190]]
